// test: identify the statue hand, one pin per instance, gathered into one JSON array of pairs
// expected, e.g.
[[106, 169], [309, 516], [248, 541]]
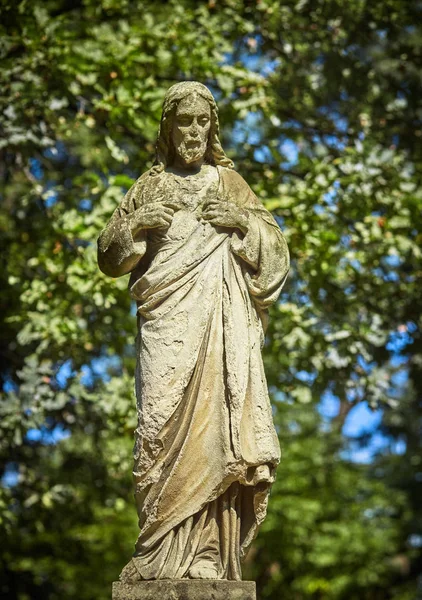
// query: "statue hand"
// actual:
[[226, 214], [152, 216]]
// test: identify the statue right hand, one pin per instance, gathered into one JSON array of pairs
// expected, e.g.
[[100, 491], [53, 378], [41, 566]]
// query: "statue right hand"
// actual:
[[152, 216]]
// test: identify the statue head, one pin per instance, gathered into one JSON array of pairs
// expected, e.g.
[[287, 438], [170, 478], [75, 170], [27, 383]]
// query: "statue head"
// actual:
[[189, 127]]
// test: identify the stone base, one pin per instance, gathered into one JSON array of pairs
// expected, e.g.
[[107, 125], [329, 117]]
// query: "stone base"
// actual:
[[185, 589]]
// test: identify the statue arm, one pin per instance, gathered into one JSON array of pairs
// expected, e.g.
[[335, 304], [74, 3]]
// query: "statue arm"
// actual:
[[119, 251], [264, 249], [261, 246]]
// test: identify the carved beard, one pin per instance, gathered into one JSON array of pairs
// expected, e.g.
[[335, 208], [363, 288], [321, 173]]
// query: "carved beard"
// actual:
[[191, 151]]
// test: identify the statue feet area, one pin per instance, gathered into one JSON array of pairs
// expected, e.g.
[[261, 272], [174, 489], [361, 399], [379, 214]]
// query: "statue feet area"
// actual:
[[201, 586]]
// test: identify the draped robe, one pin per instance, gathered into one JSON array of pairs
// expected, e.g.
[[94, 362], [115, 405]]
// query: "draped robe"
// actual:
[[206, 448]]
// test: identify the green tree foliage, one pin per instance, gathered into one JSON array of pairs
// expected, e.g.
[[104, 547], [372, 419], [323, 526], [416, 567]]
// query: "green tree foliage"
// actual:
[[321, 110]]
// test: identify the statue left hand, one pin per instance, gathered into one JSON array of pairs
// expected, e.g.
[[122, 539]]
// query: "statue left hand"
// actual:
[[226, 214]]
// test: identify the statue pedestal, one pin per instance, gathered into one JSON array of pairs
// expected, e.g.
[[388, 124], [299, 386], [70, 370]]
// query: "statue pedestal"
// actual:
[[184, 589]]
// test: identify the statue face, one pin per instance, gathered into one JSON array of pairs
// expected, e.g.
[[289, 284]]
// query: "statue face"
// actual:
[[191, 128]]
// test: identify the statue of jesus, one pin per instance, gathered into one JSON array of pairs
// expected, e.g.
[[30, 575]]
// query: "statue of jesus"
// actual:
[[206, 261]]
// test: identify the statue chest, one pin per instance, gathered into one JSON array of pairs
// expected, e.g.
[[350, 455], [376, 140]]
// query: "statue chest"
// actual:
[[188, 195]]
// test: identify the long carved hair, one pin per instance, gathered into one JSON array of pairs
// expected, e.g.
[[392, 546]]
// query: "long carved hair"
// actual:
[[164, 151]]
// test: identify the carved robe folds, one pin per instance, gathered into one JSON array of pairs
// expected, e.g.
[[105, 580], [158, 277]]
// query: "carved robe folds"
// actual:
[[206, 449]]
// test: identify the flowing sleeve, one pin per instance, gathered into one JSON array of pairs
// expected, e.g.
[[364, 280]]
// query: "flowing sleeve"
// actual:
[[263, 248], [118, 251]]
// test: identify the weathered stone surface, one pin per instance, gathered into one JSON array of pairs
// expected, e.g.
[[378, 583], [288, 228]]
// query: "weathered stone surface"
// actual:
[[185, 590], [206, 261]]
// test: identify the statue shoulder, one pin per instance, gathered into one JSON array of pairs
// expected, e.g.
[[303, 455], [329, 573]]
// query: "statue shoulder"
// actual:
[[235, 188], [141, 191], [232, 176]]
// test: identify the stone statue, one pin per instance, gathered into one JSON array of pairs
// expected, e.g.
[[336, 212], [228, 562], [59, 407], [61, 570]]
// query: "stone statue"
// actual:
[[206, 261]]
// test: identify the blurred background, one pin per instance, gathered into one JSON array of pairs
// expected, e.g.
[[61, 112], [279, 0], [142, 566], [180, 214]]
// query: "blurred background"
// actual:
[[321, 110]]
